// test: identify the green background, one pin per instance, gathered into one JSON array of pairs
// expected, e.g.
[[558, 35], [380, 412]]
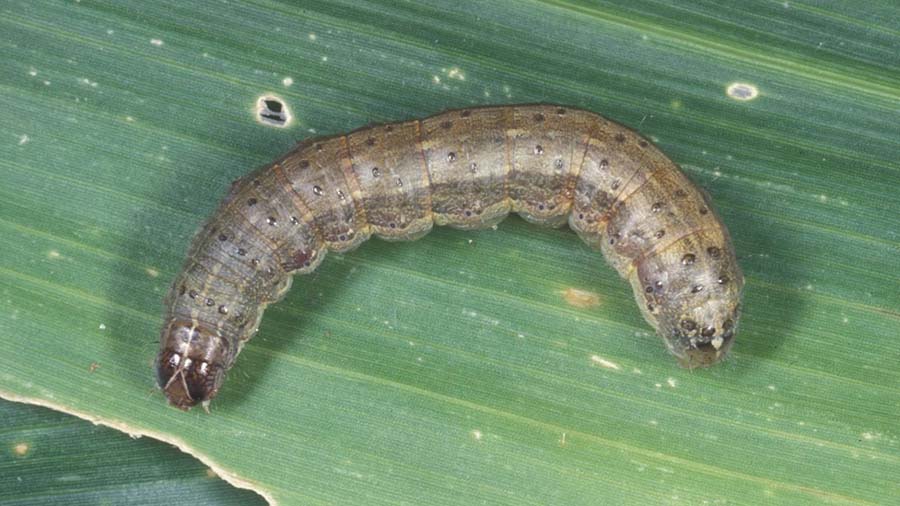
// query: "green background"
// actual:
[[451, 370]]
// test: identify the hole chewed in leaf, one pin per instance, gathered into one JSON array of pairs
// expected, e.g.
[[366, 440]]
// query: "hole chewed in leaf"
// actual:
[[272, 111]]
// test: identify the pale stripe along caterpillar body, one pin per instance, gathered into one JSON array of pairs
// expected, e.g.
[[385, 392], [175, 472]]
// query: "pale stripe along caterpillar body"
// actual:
[[464, 168]]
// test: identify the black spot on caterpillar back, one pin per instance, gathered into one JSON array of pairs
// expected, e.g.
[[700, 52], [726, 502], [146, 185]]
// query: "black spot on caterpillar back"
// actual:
[[468, 169]]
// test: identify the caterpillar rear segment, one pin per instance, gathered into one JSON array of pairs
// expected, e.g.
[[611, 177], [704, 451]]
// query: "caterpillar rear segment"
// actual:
[[467, 169]]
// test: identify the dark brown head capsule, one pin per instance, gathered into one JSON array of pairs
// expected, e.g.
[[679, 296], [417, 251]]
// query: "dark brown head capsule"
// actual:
[[190, 365]]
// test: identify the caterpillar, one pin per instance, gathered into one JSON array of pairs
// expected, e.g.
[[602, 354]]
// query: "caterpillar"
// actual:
[[465, 168]]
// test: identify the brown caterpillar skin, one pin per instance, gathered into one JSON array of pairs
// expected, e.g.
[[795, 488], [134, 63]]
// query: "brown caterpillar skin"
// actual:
[[468, 169]]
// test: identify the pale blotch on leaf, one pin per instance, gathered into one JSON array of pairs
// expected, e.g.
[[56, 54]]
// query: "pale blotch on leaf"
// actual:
[[602, 362], [456, 73], [581, 298], [742, 91], [21, 449], [273, 111]]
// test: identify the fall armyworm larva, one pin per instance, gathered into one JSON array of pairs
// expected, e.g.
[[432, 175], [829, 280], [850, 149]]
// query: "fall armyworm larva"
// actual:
[[468, 169]]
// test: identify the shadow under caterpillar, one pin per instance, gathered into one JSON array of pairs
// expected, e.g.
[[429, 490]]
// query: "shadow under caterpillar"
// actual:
[[468, 169]]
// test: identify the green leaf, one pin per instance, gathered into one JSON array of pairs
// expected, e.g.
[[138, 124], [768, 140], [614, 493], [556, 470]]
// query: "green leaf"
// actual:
[[52, 458], [452, 370]]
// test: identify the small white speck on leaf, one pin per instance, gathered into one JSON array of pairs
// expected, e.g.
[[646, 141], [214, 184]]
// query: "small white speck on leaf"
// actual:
[[156, 42], [742, 91]]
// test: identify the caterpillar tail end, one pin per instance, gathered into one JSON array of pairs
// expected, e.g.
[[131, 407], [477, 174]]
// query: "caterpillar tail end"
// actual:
[[698, 347], [704, 353]]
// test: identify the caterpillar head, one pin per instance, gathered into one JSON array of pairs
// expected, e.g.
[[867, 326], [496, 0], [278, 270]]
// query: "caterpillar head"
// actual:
[[190, 366]]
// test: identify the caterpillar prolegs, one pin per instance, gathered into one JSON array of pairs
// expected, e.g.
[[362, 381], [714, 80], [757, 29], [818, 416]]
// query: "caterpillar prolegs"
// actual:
[[468, 169]]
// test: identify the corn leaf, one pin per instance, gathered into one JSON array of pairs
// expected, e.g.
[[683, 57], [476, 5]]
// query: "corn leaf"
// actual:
[[504, 366]]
